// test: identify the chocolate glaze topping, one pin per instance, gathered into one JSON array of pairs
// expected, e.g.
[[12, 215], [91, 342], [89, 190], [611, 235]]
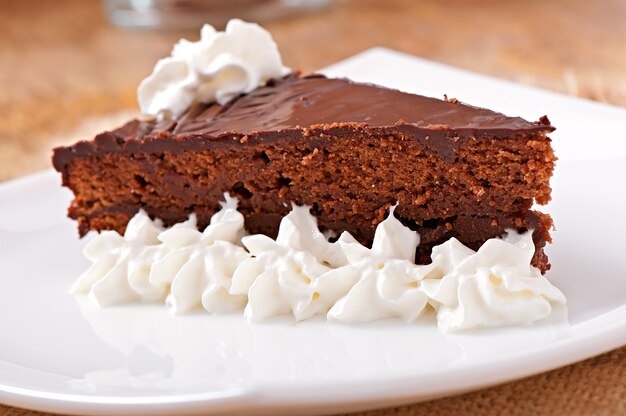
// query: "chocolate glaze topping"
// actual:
[[318, 100], [290, 105]]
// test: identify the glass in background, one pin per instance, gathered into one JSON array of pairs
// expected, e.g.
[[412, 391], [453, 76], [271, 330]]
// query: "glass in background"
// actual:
[[190, 14]]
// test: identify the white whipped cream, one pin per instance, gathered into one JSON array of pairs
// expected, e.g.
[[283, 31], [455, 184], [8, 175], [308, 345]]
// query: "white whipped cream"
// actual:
[[303, 274], [494, 286], [289, 275], [190, 267], [121, 265], [386, 280], [217, 68], [199, 265]]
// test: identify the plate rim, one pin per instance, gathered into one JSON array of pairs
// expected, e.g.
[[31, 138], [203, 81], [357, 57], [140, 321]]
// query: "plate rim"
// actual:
[[397, 391]]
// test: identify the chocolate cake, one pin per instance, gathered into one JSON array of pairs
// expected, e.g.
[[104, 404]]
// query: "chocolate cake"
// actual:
[[348, 150]]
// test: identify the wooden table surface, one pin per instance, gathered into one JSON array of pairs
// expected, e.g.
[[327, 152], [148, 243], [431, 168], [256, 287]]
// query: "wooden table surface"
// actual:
[[65, 73]]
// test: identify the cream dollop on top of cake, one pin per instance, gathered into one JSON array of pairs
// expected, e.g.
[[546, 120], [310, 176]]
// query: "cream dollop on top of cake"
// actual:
[[216, 68]]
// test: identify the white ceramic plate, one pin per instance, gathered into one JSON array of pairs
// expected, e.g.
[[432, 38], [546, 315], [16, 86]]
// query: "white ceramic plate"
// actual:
[[62, 354]]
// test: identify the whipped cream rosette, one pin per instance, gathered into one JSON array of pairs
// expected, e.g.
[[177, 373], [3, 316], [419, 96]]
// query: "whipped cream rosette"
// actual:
[[494, 286], [387, 281], [191, 268], [199, 266], [121, 264], [217, 68], [287, 275], [302, 273]]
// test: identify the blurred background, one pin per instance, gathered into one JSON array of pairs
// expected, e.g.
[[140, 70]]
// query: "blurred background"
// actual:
[[67, 71]]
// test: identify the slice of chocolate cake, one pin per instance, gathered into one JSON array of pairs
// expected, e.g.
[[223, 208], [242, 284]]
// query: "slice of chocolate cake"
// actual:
[[347, 150]]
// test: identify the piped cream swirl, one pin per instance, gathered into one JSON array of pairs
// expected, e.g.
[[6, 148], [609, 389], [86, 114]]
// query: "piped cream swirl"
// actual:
[[181, 265], [304, 274], [217, 68]]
